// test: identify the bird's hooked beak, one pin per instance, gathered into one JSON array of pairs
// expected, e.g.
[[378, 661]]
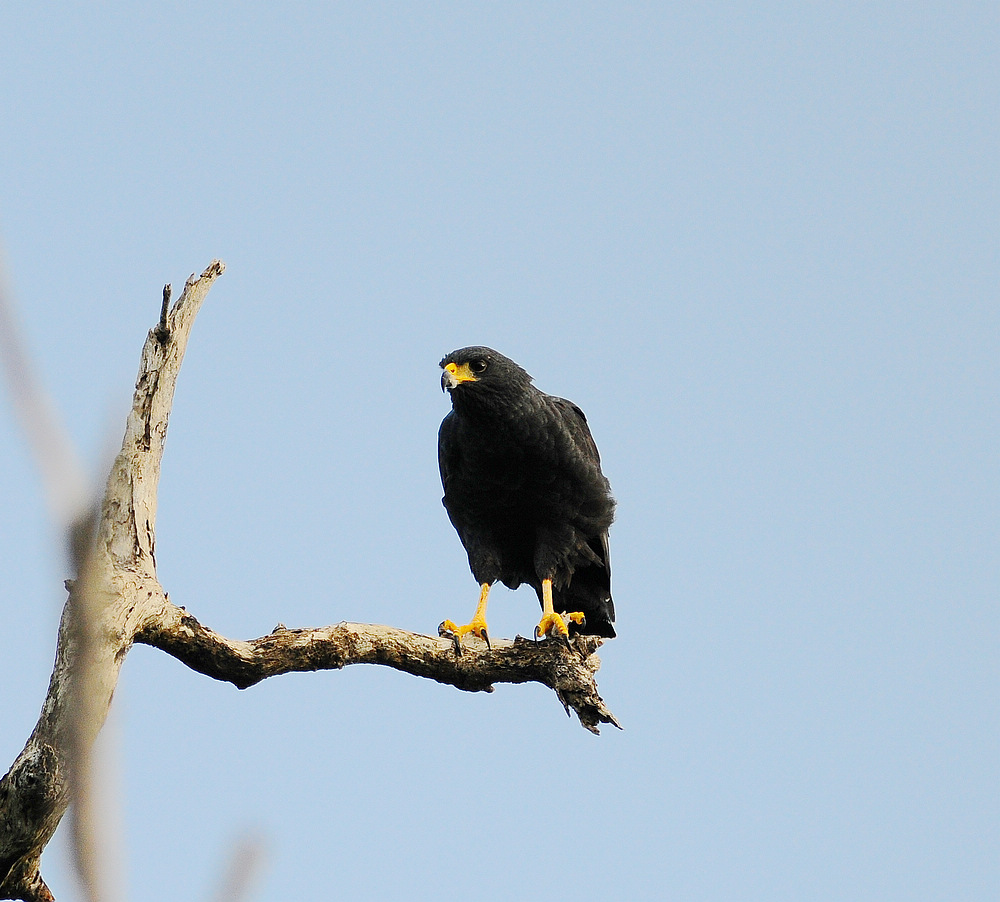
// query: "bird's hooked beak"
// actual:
[[455, 374]]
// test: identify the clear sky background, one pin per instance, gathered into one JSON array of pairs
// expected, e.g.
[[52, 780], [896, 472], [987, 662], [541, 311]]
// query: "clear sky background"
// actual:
[[756, 242]]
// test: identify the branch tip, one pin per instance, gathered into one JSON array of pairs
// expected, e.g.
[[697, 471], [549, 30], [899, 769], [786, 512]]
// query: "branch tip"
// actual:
[[214, 269]]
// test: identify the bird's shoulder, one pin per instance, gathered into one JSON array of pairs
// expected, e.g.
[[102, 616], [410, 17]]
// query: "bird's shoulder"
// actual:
[[534, 424], [573, 421]]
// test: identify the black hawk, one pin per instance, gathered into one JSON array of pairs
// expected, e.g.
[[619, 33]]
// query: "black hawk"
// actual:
[[524, 489]]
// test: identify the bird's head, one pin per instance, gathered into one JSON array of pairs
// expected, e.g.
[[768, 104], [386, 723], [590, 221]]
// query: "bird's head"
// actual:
[[478, 370]]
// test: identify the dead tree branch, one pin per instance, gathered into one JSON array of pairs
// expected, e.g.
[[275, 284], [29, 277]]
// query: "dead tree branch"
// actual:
[[570, 673], [117, 601], [108, 604]]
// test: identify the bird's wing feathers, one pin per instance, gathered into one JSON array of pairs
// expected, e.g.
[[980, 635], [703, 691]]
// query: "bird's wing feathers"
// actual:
[[575, 422], [448, 450]]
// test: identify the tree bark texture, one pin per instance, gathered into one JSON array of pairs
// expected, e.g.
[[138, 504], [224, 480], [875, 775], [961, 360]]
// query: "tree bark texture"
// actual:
[[116, 601]]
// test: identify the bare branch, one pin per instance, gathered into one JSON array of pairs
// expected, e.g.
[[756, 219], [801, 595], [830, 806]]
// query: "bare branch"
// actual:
[[569, 672], [128, 518], [91, 828], [245, 864], [108, 604]]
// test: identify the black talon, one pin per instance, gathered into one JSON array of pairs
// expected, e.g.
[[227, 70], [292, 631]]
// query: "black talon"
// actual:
[[445, 633], [486, 636]]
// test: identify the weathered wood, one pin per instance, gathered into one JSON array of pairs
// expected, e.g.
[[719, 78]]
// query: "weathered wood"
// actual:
[[115, 593], [568, 671]]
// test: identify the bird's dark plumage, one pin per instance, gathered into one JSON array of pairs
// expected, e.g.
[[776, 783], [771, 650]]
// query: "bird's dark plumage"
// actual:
[[524, 489]]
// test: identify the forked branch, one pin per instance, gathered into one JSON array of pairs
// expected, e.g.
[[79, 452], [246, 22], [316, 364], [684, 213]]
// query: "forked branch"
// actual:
[[117, 600]]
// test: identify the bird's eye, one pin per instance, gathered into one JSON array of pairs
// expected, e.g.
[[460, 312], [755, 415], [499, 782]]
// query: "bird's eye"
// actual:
[[478, 366]]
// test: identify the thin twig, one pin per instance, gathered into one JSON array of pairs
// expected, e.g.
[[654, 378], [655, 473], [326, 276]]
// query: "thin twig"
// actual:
[[245, 864], [66, 487]]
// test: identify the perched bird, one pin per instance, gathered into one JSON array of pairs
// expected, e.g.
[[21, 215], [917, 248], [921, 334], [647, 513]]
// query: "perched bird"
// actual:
[[524, 489]]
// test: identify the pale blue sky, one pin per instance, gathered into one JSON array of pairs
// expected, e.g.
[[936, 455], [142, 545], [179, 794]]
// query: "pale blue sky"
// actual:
[[757, 243]]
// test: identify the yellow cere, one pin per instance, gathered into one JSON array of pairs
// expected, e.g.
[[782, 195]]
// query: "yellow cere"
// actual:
[[462, 373]]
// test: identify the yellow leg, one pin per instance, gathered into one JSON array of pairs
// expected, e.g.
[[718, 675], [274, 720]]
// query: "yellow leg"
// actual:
[[551, 622], [476, 626]]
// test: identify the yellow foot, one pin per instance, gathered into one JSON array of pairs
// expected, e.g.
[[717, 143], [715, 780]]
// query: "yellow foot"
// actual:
[[477, 626], [554, 625]]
